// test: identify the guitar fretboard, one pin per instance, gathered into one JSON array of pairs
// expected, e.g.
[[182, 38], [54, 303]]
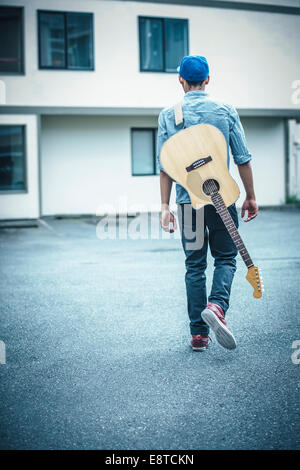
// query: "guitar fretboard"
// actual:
[[230, 225]]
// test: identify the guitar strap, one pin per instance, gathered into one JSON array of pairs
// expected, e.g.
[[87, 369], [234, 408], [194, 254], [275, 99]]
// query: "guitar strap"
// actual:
[[185, 217], [178, 114]]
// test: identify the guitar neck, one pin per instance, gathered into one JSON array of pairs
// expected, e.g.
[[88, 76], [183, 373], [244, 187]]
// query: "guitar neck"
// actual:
[[230, 226]]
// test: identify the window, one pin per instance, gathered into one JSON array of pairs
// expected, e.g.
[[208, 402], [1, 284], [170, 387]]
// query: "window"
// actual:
[[143, 151], [11, 40], [65, 40], [163, 43], [12, 158]]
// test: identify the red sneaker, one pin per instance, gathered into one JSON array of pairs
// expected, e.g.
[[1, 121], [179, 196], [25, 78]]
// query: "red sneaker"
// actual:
[[213, 316], [200, 342]]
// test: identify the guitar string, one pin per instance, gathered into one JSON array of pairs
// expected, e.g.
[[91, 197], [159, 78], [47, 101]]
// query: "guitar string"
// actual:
[[214, 189]]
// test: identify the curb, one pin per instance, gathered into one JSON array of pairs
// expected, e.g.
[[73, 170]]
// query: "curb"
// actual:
[[90, 218]]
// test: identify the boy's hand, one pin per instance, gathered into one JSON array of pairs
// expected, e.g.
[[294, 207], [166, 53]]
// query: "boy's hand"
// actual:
[[252, 208], [166, 218]]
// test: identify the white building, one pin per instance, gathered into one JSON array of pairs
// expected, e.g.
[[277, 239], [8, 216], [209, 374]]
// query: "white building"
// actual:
[[82, 84]]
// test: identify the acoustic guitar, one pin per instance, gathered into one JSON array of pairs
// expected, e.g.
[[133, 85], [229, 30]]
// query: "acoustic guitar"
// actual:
[[196, 158]]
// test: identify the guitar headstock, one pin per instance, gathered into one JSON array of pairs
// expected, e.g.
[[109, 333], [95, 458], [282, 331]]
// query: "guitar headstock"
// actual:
[[254, 277]]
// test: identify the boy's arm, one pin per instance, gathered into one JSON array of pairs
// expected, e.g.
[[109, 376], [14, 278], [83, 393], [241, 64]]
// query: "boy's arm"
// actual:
[[249, 204], [165, 191], [242, 157], [165, 180]]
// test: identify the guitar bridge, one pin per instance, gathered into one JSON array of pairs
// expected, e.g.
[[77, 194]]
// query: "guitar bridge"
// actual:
[[198, 163]]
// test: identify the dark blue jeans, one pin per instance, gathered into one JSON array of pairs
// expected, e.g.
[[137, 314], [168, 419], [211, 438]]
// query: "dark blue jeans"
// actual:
[[224, 253]]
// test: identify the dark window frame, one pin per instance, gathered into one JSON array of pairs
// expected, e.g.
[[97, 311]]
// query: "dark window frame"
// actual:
[[162, 19], [154, 159], [24, 134], [65, 13], [22, 72]]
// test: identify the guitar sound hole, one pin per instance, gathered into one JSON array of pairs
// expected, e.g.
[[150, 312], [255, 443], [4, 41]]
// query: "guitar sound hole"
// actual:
[[210, 186]]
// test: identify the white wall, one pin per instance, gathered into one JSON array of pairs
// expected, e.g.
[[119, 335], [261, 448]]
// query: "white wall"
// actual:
[[254, 58], [294, 159], [86, 163], [25, 204], [265, 140]]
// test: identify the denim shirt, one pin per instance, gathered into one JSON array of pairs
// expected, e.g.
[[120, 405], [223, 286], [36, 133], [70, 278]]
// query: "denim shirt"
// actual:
[[199, 108]]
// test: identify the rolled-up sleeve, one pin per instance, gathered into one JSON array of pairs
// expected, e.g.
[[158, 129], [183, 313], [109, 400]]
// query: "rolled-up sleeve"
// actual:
[[237, 140], [162, 137]]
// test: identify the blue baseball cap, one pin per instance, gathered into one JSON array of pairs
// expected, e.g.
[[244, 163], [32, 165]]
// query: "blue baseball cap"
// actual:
[[193, 68]]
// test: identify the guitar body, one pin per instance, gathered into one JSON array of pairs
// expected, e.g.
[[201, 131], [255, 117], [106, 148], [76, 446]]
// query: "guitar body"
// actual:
[[192, 146]]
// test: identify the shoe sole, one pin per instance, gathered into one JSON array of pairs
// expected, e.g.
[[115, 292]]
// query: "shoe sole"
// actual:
[[199, 349], [224, 336]]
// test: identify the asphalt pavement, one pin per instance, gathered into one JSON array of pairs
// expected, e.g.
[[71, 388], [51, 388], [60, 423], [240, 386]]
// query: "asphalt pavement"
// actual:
[[97, 348]]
